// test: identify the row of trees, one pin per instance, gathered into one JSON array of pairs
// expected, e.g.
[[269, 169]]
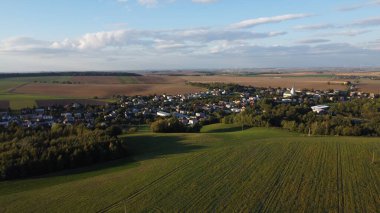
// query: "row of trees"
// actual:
[[173, 125], [35, 152]]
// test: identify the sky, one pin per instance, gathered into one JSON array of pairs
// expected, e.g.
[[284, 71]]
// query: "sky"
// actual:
[[80, 35]]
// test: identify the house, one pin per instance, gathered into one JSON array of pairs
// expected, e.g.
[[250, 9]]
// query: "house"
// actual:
[[4, 123], [163, 114], [193, 121], [320, 108]]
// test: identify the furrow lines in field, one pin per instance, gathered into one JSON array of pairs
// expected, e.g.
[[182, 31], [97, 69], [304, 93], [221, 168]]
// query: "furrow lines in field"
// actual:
[[225, 158], [339, 179], [282, 170], [241, 168], [251, 176], [203, 164], [146, 187]]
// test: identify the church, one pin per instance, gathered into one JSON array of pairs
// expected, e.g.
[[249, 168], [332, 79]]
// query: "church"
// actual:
[[289, 94]]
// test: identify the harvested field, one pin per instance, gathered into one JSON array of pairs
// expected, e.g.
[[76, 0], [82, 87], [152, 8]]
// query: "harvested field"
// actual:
[[4, 104], [96, 79], [105, 90], [299, 83], [368, 85], [358, 73], [47, 103]]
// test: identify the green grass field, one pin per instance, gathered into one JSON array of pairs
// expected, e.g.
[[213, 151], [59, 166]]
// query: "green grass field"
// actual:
[[128, 80], [263, 170]]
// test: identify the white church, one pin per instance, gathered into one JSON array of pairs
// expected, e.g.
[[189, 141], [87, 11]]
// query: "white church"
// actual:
[[289, 94]]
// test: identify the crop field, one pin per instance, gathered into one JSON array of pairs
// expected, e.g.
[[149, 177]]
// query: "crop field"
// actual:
[[25, 91], [128, 79], [96, 79], [4, 104], [62, 102], [276, 81], [6, 85], [221, 169], [300, 82], [105, 90]]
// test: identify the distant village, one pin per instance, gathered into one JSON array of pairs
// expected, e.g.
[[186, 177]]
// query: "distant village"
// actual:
[[190, 109]]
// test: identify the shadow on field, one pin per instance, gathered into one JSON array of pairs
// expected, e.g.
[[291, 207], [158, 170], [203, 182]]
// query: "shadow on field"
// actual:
[[140, 148], [228, 129], [151, 146]]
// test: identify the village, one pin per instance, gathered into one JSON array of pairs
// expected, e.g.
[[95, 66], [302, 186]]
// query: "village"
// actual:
[[189, 109]]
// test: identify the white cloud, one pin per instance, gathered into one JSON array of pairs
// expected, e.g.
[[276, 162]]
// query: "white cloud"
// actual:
[[166, 38], [351, 33], [314, 27], [375, 21], [266, 20], [314, 41], [22, 44], [348, 8], [94, 41], [148, 3]]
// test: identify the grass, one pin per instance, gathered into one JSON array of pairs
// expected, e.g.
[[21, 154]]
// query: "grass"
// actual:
[[259, 169], [45, 79], [215, 128], [128, 80], [18, 101]]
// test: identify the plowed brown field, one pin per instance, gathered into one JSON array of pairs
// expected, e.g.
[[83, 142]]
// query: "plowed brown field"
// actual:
[[105, 90], [299, 83], [4, 104]]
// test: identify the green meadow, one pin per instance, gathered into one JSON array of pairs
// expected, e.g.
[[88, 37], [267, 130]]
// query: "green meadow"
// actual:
[[221, 169], [128, 80]]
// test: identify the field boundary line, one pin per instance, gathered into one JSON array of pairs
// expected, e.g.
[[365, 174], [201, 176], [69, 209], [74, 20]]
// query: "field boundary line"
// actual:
[[13, 89]]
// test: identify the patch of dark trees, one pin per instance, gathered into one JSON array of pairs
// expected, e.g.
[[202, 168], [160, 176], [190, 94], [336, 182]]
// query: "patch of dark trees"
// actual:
[[27, 152], [230, 87], [173, 125]]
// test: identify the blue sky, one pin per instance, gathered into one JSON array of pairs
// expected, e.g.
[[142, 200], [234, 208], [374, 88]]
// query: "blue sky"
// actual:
[[55, 35]]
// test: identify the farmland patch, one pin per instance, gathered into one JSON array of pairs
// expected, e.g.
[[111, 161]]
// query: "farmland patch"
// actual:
[[47, 103], [4, 104], [96, 79], [105, 91]]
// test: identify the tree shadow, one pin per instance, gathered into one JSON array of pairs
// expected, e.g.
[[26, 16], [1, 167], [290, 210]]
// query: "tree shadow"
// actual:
[[227, 129], [155, 145], [140, 147]]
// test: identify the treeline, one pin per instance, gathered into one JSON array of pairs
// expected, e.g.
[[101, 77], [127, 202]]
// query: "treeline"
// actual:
[[353, 118], [27, 152], [173, 125], [47, 74]]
